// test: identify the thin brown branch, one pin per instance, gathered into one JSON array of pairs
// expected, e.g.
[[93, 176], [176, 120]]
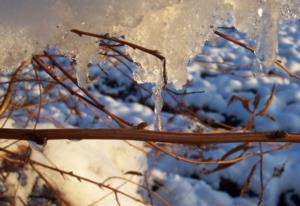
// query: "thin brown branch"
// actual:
[[10, 90], [278, 62], [91, 100], [50, 186], [154, 194], [81, 178], [145, 135], [20, 160], [132, 45], [281, 66], [155, 53], [235, 41], [249, 179], [261, 176]]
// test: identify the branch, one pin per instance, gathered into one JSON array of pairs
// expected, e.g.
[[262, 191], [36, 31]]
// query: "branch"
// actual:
[[91, 100], [10, 90], [278, 62], [42, 135], [155, 53]]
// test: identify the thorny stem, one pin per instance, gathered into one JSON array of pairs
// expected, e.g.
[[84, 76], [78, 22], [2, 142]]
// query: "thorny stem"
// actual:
[[35, 163], [50, 186], [81, 178]]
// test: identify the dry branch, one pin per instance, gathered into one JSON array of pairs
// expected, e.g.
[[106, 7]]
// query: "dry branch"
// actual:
[[91, 100], [278, 62], [155, 53], [42, 135], [10, 90]]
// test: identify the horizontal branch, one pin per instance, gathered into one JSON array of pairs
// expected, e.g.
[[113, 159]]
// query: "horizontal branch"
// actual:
[[43, 135]]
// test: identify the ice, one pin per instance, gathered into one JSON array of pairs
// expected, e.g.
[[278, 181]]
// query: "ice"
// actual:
[[158, 105], [11, 54], [290, 9], [178, 29], [267, 39], [271, 13], [246, 16]]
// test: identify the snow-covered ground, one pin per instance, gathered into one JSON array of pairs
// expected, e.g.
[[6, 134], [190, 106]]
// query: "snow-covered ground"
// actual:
[[222, 70]]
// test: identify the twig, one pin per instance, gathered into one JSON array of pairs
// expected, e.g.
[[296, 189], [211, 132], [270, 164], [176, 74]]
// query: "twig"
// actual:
[[261, 176], [278, 62], [80, 178], [92, 101], [40, 98], [19, 159], [10, 91], [50, 186], [155, 53]]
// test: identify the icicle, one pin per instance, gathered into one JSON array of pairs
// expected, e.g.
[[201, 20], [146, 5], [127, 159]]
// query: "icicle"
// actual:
[[82, 75], [158, 102], [257, 65], [268, 36], [150, 70]]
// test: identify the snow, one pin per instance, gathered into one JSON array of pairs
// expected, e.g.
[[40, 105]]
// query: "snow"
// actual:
[[284, 109], [96, 160], [184, 191]]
